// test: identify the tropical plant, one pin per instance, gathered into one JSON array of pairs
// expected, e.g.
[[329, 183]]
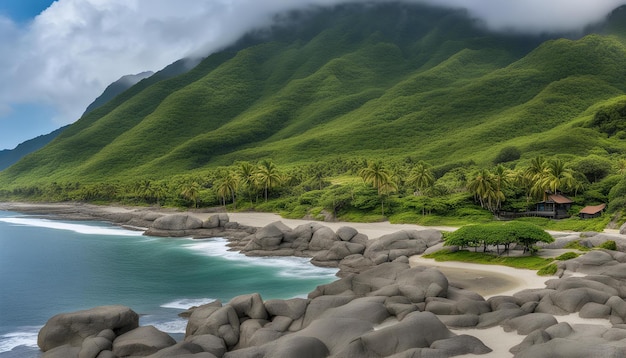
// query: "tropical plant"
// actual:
[[190, 190], [226, 187], [421, 178], [268, 176], [380, 177]]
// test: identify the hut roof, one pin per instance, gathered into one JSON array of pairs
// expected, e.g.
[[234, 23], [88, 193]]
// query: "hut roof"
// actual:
[[592, 210]]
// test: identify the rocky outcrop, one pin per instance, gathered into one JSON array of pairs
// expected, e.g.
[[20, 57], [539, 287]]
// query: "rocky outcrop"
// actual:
[[187, 225], [73, 328]]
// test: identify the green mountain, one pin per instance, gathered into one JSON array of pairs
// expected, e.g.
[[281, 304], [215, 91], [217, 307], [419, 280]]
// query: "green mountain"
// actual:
[[387, 81]]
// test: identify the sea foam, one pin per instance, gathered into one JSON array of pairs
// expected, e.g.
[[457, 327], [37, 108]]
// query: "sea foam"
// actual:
[[79, 228], [27, 338], [294, 267], [185, 303]]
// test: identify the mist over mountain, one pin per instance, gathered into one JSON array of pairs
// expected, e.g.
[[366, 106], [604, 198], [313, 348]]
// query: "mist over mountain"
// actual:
[[368, 80]]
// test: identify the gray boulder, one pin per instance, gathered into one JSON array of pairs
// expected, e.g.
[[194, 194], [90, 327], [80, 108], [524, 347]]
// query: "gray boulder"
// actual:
[[346, 233], [177, 222], [594, 310], [250, 306], [463, 344], [222, 322], [141, 341], [293, 308], [212, 222], [336, 333], [416, 330], [73, 328], [528, 323], [209, 343], [323, 239], [298, 346]]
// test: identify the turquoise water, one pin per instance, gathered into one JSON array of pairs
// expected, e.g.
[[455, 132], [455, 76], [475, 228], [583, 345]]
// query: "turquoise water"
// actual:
[[48, 267]]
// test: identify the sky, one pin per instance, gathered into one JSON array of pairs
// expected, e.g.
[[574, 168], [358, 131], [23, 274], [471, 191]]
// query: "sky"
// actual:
[[58, 56]]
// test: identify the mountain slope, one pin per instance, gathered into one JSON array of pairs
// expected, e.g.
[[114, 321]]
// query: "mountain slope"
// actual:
[[9, 157], [384, 81]]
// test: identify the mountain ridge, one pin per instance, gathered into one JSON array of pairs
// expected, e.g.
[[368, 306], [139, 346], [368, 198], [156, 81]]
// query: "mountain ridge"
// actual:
[[381, 81]]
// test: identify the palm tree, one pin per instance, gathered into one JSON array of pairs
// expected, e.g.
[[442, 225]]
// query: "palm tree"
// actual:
[[557, 176], [268, 176], [190, 191], [500, 179], [247, 174], [376, 174], [421, 177], [227, 187], [480, 185]]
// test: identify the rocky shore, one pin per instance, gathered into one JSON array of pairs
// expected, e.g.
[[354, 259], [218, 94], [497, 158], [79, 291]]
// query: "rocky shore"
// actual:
[[381, 306]]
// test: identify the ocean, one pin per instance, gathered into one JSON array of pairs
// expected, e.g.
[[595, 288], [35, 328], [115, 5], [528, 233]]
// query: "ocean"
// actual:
[[50, 266]]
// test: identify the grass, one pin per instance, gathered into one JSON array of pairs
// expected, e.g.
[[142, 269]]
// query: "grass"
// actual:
[[520, 262]]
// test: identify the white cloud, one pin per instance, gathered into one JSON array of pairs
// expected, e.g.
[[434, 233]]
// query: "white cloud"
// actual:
[[75, 48]]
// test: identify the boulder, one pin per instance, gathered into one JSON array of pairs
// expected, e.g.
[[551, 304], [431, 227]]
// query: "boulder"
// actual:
[[182, 349], [209, 343], [73, 328], [222, 322], [528, 323], [463, 344], [336, 333], [323, 239], [250, 306], [141, 341], [416, 330], [293, 308], [346, 233], [212, 222], [594, 310], [297, 346], [177, 222]]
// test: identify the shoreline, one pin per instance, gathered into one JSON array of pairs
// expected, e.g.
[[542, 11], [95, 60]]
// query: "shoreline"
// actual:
[[485, 280]]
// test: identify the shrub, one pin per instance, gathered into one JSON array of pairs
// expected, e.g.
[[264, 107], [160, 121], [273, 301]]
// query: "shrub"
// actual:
[[609, 245], [507, 154], [548, 270], [567, 256]]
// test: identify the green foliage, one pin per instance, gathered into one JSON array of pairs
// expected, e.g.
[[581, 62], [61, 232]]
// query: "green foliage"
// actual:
[[548, 270], [608, 245], [495, 234], [507, 154], [521, 262], [567, 256], [575, 244]]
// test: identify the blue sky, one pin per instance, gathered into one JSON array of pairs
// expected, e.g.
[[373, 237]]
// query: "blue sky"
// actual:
[[57, 57]]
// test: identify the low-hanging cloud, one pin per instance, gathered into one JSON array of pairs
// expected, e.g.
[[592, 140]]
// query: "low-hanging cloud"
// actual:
[[68, 54]]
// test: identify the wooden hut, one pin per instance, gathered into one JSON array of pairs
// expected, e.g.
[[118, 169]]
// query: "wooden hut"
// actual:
[[590, 212], [555, 207]]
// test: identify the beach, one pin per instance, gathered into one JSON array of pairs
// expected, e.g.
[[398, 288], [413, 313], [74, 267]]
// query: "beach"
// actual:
[[486, 280]]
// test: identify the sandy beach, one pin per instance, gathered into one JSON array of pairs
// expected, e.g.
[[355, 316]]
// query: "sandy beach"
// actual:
[[486, 280]]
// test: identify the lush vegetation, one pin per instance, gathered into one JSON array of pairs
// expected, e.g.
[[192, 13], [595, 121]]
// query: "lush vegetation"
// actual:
[[522, 262], [394, 111], [498, 234]]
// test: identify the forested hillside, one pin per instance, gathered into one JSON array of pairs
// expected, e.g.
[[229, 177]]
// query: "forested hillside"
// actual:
[[399, 83]]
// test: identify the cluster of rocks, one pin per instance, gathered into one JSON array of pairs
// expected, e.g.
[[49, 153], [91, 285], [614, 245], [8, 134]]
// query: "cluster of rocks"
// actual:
[[588, 239], [380, 307], [389, 310], [339, 320], [347, 249]]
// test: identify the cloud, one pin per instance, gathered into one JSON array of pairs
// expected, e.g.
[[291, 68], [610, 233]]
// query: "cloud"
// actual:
[[535, 16], [67, 55]]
